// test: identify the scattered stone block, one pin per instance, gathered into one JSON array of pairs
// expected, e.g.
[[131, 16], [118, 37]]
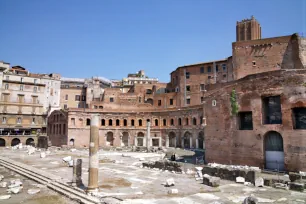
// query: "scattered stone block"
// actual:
[[70, 163], [248, 184], [170, 182], [211, 181], [280, 186], [173, 191], [72, 150], [5, 197], [48, 152], [240, 180], [141, 159], [296, 186], [250, 200], [33, 191], [42, 155], [1, 177], [67, 159], [14, 190], [259, 182], [294, 176], [3, 184]]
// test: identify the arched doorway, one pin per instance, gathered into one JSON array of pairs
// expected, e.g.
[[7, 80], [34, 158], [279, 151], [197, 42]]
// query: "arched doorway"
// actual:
[[187, 138], [42, 142], [71, 142], [2, 142], [30, 142], [15, 142], [125, 139], [110, 139], [140, 138], [172, 139], [274, 151], [201, 140]]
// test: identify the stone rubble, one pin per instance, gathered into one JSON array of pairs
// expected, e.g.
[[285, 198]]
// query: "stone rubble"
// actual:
[[3, 184], [33, 191], [5, 197], [173, 191], [250, 200], [1, 177], [240, 179], [259, 182], [42, 154], [170, 182]]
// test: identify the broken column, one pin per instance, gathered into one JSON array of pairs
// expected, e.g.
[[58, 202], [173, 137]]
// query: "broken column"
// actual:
[[93, 154], [148, 140], [77, 172]]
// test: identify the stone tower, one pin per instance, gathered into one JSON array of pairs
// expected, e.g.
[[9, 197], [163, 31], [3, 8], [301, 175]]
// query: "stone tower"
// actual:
[[248, 29]]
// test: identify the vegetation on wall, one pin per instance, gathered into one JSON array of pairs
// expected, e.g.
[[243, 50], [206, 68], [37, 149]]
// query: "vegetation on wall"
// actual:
[[234, 103]]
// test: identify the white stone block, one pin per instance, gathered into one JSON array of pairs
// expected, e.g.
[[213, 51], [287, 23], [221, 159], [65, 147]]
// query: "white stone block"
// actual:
[[5, 197], [170, 182], [3, 184], [199, 168], [259, 182], [48, 152], [70, 163], [72, 150], [173, 191], [141, 159], [33, 191], [240, 180], [42, 154], [67, 159], [14, 190]]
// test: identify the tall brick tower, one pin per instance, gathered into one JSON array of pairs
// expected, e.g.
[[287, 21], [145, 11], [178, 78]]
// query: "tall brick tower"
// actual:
[[248, 29]]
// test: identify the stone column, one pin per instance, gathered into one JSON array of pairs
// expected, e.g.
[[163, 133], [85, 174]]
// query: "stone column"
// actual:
[[197, 143], [135, 141], [190, 139], [160, 141], [77, 172], [167, 141], [182, 142], [148, 138], [93, 155]]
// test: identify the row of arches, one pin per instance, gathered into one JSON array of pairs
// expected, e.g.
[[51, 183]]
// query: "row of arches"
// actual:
[[165, 122], [16, 141]]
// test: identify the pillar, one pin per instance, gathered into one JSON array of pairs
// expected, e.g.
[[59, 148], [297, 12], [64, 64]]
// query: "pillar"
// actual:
[[182, 142], [93, 155], [135, 141], [160, 141], [190, 139], [197, 143], [148, 139], [77, 173], [167, 141]]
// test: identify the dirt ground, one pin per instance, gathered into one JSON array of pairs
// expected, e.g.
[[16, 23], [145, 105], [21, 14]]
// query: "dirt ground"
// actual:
[[122, 177]]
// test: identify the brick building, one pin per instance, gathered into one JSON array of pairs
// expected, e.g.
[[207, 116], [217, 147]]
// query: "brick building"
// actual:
[[247, 109]]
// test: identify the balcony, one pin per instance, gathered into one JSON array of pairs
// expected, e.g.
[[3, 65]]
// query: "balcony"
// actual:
[[26, 102]]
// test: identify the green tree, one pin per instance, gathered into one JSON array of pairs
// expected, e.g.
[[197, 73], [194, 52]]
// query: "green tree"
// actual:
[[234, 103]]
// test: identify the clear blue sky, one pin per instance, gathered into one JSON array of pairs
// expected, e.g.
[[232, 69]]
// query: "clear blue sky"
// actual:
[[112, 38]]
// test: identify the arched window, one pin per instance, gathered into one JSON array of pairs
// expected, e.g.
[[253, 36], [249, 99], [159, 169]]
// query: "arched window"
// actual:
[[102, 122], [164, 122], [87, 121], [110, 122], [180, 121], [117, 122], [156, 122], [187, 121], [132, 122], [194, 121], [124, 122], [140, 122], [172, 121]]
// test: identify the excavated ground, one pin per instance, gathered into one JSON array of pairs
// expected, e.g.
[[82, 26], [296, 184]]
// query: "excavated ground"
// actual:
[[122, 177]]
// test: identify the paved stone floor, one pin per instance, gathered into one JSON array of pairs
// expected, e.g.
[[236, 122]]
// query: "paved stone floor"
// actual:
[[122, 177], [45, 196]]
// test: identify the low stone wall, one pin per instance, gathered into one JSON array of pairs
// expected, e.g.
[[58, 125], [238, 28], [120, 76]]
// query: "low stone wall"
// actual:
[[164, 165], [231, 174]]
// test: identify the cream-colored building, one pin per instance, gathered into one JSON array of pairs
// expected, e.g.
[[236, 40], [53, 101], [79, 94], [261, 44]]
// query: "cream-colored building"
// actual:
[[25, 101]]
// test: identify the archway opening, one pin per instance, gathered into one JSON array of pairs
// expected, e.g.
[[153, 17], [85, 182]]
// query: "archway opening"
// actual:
[[30, 142], [201, 140], [274, 151], [2, 142], [187, 137], [71, 142], [125, 139], [110, 139], [172, 139], [15, 142], [140, 138]]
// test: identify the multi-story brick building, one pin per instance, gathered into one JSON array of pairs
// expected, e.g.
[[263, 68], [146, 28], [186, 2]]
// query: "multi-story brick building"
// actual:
[[26, 100], [247, 109]]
